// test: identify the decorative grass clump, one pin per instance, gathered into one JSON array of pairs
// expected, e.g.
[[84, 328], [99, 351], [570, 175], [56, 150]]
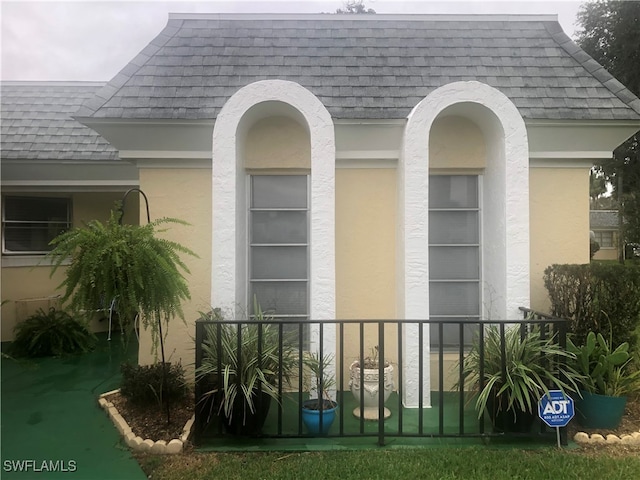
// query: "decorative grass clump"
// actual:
[[52, 333], [147, 386]]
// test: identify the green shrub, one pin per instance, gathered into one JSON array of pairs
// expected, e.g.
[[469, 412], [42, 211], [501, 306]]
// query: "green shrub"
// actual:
[[142, 385], [51, 333], [598, 297]]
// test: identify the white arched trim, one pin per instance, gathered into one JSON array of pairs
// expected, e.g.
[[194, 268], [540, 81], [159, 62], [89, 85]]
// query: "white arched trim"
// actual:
[[229, 242], [505, 205]]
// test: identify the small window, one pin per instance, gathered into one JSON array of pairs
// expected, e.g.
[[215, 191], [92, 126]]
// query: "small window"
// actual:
[[278, 249], [604, 238], [30, 223]]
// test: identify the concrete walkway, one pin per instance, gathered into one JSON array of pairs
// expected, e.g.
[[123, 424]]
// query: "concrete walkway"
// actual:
[[50, 414]]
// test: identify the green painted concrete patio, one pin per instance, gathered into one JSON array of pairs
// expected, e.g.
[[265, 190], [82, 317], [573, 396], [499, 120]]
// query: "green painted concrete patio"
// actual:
[[355, 435], [50, 413]]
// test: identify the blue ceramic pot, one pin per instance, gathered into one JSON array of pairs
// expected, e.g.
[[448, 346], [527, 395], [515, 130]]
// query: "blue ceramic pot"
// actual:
[[311, 416]]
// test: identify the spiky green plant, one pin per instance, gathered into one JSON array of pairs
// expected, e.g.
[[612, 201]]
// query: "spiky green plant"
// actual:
[[264, 356], [532, 368], [319, 368], [128, 263]]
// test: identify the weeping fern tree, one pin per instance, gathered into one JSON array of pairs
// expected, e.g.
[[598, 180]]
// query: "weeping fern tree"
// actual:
[[130, 264]]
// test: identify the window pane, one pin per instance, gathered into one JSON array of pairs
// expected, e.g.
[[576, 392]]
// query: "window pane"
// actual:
[[453, 228], [453, 191], [454, 263], [28, 237], [281, 298], [454, 298], [279, 191], [278, 227], [279, 262], [451, 333], [36, 209], [604, 238]]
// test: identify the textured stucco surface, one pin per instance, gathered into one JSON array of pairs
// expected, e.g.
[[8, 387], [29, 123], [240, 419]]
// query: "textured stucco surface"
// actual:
[[277, 143], [505, 209], [456, 143], [185, 194], [365, 260], [228, 272], [559, 223]]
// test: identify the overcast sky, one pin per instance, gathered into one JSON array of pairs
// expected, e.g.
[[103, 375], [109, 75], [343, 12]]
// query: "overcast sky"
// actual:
[[93, 40]]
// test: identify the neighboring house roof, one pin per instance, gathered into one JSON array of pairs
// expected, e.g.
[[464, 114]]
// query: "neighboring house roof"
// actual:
[[37, 123], [362, 66], [603, 220]]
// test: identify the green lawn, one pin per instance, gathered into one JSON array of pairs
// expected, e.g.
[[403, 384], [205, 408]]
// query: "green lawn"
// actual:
[[440, 463]]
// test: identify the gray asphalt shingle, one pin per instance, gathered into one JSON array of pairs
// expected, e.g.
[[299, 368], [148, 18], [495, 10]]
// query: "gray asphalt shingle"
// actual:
[[37, 122], [372, 66], [602, 219]]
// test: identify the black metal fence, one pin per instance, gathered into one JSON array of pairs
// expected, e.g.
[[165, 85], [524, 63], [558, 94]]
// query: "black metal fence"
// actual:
[[451, 412]]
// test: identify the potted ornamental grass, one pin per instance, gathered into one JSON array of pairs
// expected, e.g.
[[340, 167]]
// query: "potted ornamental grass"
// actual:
[[533, 365], [319, 412], [241, 380]]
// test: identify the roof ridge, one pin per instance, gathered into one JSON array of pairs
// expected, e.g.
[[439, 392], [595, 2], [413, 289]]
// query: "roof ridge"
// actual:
[[594, 68], [53, 83], [365, 17], [103, 95]]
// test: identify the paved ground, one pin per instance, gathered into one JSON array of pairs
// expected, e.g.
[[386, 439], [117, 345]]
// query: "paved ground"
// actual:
[[50, 414]]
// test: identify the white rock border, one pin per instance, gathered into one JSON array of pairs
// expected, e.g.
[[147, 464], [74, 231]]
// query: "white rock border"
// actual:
[[138, 444], [596, 438]]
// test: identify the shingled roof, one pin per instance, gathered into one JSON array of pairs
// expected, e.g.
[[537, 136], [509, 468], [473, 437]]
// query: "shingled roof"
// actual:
[[603, 219], [37, 122], [362, 66]]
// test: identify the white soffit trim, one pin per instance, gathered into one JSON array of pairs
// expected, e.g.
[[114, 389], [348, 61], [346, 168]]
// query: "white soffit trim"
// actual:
[[19, 186], [559, 162], [164, 154], [226, 176]]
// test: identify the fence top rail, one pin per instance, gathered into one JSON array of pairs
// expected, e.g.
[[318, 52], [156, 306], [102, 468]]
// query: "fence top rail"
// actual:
[[518, 321], [541, 315]]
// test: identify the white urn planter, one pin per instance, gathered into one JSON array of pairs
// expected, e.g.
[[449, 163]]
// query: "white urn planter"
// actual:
[[370, 390]]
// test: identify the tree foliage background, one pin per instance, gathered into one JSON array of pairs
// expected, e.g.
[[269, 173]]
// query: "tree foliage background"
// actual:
[[610, 33], [355, 6]]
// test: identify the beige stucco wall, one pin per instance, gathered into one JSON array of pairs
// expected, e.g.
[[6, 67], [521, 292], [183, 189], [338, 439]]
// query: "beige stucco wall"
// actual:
[[279, 143], [365, 255], [559, 201], [456, 143], [184, 194], [33, 282]]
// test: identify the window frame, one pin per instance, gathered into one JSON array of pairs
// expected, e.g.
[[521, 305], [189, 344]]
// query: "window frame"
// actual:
[[66, 225], [307, 245], [598, 237], [470, 329]]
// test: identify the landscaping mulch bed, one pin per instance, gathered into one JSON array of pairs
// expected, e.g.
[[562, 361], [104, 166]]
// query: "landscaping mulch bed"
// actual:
[[151, 422]]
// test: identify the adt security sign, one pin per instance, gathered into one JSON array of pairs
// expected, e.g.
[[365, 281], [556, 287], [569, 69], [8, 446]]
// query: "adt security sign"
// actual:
[[556, 408]]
